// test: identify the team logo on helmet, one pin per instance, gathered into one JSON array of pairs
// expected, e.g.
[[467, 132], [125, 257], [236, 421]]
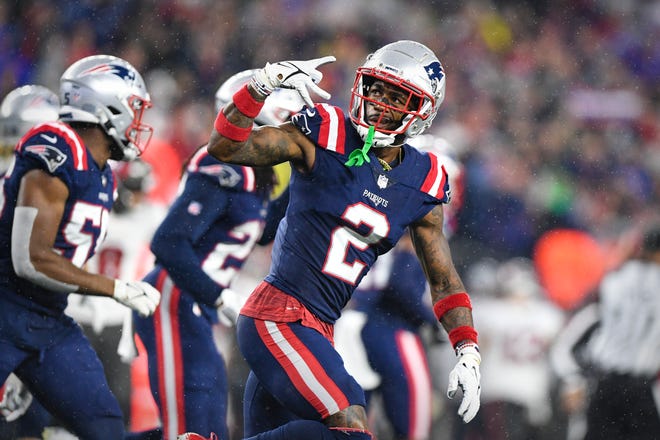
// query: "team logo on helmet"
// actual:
[[114, 69], [435, 73]]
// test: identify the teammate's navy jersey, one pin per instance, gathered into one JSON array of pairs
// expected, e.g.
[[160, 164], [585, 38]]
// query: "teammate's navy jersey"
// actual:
[[393, 292], [211, 227], [340, 218], [56, 149]]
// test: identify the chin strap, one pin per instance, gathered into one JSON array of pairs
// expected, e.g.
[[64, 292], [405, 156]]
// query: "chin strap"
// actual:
[[358, 157]]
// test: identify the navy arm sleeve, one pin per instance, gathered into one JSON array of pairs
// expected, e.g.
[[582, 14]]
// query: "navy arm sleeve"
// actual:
[[406, 288], [276, 211], [173, 242]]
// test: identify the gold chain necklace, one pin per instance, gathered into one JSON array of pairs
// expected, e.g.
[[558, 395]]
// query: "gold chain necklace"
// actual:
[[386, 166]]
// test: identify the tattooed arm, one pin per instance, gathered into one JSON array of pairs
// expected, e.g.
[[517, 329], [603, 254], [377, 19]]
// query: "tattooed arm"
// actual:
[[434, 255], [266, 145], [452, 307]]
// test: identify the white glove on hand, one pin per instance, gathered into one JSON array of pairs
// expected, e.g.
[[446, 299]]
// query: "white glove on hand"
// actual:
[[296, 75], [138, 295], [229, 306], [16, 399], [466, 375]]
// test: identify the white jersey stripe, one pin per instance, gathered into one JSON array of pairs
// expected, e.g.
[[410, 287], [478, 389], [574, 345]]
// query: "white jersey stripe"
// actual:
[[419, 383], [435, 188], [333, 127], [79, 154], [169, 400], [249, 179], [302, 368]]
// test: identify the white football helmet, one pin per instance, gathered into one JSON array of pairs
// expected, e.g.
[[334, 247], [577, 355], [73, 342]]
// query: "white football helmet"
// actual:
[[278, 108], [23, 108], [447, 155], [410, 66], [108, 91]]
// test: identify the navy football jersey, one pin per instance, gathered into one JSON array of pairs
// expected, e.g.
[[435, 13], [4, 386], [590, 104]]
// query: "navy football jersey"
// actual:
[[56, 149], [394, 289], [340, 218], [211, 227]]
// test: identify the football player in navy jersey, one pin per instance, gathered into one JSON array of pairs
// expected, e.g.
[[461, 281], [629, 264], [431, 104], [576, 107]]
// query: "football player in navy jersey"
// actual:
[[208, 233], [356, 188], [379, 339], [54, 205], [22, 108]]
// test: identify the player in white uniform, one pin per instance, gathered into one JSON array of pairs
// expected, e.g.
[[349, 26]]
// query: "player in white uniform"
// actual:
[[517, 327]]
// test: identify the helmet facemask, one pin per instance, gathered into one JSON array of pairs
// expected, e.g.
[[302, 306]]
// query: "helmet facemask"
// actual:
[[137, 134], [109, 92], [412, 107], [412, 69]]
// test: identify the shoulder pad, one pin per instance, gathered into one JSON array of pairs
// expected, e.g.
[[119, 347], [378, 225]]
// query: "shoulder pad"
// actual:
[[54, 144], [324, 124], [436, 182], [228, 175]]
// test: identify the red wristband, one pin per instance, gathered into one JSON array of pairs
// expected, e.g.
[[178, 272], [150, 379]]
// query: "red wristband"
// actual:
[[451, 302], [246, 104], [463, 333], [230, 130]]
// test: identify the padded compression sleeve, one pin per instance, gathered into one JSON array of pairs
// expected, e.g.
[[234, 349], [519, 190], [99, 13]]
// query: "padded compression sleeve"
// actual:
[[24, 217]]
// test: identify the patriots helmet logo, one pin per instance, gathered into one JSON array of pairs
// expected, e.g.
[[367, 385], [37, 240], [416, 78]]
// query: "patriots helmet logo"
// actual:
[[53, 157], [434, 71], [115, 69]]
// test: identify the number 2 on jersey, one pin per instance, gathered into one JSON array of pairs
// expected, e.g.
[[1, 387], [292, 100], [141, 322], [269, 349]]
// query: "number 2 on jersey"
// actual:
[[343, 237]]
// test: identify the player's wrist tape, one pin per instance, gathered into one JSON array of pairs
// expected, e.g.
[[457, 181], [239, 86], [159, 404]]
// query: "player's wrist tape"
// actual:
[[459, 336], [231, 130], [258, 83], [451, 302], [246, 103]]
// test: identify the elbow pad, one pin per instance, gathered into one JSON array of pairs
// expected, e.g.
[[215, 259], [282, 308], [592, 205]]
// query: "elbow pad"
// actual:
[[20, 252]]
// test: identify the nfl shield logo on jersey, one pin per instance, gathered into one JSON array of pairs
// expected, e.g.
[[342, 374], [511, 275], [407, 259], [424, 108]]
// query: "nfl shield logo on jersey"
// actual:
[[382, 181]]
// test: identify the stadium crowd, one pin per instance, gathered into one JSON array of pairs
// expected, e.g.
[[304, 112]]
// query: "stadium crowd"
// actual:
[[553, 108]]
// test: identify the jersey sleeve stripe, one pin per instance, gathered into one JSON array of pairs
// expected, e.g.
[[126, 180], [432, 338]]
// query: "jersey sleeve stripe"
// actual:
[[436, 180], [78, 150], [331, 131], [193, 165], [249, 181]]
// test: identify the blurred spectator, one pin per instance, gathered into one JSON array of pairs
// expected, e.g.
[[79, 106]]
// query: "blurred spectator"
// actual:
[[516, 328], [553, 110]]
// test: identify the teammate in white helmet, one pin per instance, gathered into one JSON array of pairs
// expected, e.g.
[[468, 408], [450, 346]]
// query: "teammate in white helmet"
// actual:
[[54, 205], [22, 108]]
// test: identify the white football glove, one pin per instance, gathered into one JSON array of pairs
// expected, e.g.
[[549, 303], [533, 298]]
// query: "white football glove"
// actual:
[[297, 75], [466, 375], [229, 306], [138, 295], [16, 399]]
